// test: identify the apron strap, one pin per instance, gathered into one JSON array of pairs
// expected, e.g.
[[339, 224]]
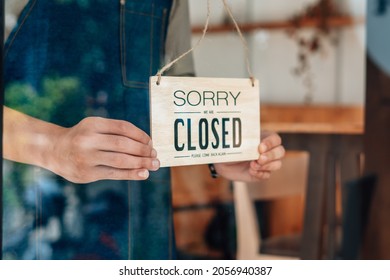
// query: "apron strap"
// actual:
[[1, 124]]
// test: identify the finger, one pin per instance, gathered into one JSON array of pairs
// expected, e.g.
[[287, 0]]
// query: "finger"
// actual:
[[125, 161], [276, 153], [111, 173], [121, 144], [259, 175], [269, 142], [255, 165], [271, 166], [124, 128]]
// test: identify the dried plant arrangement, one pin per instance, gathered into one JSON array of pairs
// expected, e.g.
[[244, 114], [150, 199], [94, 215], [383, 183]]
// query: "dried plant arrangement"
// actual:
[[312, 43]]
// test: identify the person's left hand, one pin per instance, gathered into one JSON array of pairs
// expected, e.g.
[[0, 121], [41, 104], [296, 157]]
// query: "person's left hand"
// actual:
[[271, 152]]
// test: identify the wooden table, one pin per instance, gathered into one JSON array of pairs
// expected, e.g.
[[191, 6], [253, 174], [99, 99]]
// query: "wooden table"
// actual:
[[333, 137]]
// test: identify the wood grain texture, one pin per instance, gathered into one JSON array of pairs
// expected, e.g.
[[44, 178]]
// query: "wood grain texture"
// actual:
[[317, 119], [204, 120]]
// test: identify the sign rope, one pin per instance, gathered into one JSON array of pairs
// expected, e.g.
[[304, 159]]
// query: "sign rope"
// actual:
[[228, 10]]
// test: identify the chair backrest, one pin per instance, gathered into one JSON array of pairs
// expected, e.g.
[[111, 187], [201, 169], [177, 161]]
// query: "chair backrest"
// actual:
[[291, 179]]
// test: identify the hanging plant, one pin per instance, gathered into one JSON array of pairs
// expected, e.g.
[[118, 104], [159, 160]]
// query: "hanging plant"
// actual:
[[314, 43]]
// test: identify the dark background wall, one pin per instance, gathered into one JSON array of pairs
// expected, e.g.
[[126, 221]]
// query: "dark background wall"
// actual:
[[377, 128]]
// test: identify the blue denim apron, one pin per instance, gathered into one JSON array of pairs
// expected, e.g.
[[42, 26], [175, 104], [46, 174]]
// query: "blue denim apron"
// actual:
[[64, 61]]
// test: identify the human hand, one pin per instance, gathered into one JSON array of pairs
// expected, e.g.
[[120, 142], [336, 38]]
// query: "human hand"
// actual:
[[98, 148], [271, 152]]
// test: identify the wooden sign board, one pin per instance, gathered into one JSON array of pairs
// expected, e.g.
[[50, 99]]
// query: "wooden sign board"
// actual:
[[204, 120]]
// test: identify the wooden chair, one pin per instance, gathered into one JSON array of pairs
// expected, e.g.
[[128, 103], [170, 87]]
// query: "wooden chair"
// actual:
[[290, 180]]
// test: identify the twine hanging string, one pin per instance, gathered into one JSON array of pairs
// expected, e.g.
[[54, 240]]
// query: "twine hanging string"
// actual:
[[248, 66], [169, 65], [228, 10]]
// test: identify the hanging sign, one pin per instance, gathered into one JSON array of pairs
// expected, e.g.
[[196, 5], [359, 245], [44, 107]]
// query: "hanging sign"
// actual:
[[204, 120]]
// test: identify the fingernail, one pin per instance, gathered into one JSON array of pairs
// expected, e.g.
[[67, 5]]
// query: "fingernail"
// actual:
[[150, 143], [263, 158], [153, 153], [156, 163], [143, 174]]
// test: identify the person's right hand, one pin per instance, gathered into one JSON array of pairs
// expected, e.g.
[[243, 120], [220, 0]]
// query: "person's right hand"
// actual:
[[99, 148]]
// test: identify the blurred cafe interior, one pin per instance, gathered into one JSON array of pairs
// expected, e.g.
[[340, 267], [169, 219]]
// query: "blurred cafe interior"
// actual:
[[324, 72]]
